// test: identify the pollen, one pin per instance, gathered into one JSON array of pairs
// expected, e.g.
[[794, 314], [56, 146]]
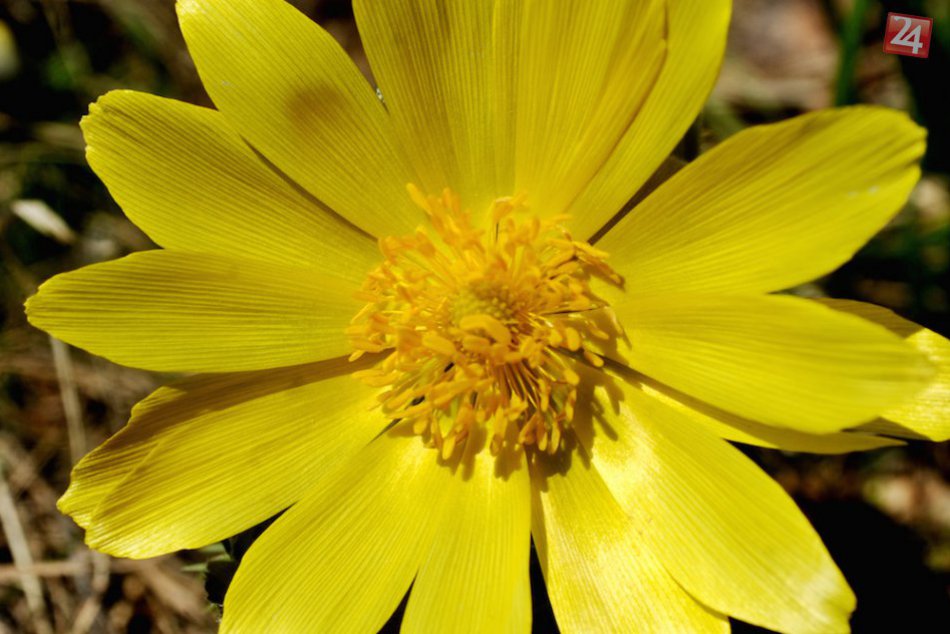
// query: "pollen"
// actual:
[[481, 325]]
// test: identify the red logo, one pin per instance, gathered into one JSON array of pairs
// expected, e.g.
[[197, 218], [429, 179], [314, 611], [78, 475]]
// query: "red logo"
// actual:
[[907, 35]]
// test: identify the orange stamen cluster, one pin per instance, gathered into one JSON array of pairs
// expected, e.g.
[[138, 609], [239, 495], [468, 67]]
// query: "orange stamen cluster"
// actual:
[[482, 325]]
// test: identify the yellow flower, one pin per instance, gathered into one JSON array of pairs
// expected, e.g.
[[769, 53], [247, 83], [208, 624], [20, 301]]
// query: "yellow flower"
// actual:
[[415, 326]]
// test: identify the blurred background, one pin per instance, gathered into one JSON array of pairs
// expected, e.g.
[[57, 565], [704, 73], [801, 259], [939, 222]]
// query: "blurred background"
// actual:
[[884, 515]]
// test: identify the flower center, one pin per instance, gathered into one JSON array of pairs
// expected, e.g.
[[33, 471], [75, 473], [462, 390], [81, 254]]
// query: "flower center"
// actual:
[[481, 326]]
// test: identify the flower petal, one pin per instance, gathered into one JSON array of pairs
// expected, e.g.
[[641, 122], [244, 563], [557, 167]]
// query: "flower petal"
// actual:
[[343, 557], [498, 98], [185, 312], [210, 456], [771, 207], [696, 40], [287, 86], [779, 360], [739, 429], [928, 413], [192, 184], [475, 576], [433, 63], [599, 574], [571, 79], [728, 534]]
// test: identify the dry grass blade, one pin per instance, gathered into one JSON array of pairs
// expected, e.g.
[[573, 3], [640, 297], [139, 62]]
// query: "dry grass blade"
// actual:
[[23, 560], [70, 397]]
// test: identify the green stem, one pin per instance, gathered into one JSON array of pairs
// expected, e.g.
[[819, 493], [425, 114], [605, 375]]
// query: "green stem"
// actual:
[[851, 33]]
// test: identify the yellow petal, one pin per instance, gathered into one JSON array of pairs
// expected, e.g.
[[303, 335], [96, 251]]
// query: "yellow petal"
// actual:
[[739, 429], [600, 575], [928, 413], [728, 534], [695, 39], [287, 87], [192, 184], [343, 557], [496, 99], [171, 311], [210, 456], [573, 77], [778, 360], [475, 576], [433, 63], [771, 207]]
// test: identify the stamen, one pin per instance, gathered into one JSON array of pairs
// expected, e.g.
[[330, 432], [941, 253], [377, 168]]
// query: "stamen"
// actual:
[[482, 326]]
